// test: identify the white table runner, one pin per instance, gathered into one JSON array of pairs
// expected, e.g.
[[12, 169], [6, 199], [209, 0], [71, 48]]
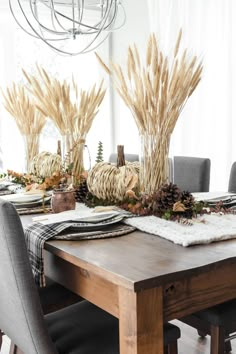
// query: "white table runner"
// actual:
[[215, 227]]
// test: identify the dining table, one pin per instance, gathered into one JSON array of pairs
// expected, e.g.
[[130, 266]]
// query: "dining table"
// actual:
[[143, 280]]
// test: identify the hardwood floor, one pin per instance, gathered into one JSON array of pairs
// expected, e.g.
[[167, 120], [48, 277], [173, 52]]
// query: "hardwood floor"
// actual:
[[189, 343]]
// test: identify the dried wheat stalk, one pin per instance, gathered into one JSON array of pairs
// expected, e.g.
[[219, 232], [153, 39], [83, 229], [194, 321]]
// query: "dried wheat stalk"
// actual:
[[156, 93], [29, 120], [53, 99], [72, 118]]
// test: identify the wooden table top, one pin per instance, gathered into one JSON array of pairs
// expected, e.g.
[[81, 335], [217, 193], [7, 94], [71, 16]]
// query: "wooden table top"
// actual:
[[140, 260], [144, 280]]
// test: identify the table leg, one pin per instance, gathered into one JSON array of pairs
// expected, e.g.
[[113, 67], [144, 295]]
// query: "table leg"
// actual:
[[141, 321]]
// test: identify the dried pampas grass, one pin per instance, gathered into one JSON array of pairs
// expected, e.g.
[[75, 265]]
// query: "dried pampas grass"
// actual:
[[29, 120], [155, 92], [73, 118], [53, 99]]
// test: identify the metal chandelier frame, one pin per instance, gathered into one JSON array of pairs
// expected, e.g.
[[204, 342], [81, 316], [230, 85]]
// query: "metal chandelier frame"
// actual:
[[64, 23]]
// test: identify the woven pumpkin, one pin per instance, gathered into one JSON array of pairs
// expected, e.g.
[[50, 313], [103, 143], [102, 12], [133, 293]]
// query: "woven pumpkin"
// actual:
[[45, 164], [108, 181]]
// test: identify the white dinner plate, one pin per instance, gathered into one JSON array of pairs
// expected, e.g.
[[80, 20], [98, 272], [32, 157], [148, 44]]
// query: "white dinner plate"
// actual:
[[24, 198], [96, 218], [33, 204], [87, 226]]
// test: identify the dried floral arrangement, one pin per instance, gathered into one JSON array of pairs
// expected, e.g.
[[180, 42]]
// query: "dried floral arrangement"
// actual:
[[73, 118], [24, 179], [155, 91], [46, 171], [168, 202], [32, 182], [171, 203], [29, 120]]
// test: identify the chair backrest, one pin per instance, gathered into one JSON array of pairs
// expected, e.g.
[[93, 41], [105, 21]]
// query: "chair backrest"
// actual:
[[232, 179], [192, 173], [170, 169], [21, 316], [128, 157], [1, 163]]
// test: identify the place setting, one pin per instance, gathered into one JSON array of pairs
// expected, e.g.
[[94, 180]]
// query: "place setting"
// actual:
[[29, 203]]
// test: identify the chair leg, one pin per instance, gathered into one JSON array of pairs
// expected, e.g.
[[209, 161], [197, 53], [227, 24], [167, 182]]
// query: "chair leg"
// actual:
[[14, 349], [172, 348], [201, 334], [228, 347], [217, 340]]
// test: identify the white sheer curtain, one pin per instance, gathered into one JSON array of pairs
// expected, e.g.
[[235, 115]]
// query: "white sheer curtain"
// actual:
[[21, 51], [207, 125]]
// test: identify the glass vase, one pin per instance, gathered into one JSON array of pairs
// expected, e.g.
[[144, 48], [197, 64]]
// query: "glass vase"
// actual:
[[154, 162], [67, 147], [76, 156], [78, 159], [31, 143]]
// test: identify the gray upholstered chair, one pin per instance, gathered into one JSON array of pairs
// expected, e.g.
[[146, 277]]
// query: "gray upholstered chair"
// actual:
[[232, 179], [128, 157], [219, 322], [191, 174], [170, 167], [80, 328], [54, 296]]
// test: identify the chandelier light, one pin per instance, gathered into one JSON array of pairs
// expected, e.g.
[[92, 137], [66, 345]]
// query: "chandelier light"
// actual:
[[70, 27]]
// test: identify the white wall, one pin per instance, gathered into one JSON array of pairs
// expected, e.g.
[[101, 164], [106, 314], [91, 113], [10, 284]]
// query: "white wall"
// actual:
[[135, 30]]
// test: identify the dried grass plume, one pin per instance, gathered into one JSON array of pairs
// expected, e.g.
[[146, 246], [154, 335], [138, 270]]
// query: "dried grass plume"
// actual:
[[156, 91], [29, 120], [72, 117]]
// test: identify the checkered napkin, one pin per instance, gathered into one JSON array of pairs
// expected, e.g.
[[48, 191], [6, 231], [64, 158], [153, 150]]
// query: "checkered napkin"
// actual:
[[37, 234]]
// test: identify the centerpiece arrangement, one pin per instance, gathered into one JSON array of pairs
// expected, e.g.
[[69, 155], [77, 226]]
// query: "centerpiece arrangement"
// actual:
[[29, 120], [155, 91], [71, 110]]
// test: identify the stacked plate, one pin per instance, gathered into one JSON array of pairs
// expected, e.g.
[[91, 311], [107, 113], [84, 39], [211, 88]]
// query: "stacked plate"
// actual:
[[22, 200], [227, 199], [97, 226], [7, 187]]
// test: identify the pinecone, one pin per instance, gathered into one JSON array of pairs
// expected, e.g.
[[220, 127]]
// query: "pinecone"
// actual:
[[187, 199], [81, 191], [165, 197]]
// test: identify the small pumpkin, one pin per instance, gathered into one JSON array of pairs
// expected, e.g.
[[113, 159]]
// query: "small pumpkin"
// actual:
[[111, 182], [45, 164]]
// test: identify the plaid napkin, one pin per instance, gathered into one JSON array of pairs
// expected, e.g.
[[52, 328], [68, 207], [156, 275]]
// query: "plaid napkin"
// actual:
[[37, 234]]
